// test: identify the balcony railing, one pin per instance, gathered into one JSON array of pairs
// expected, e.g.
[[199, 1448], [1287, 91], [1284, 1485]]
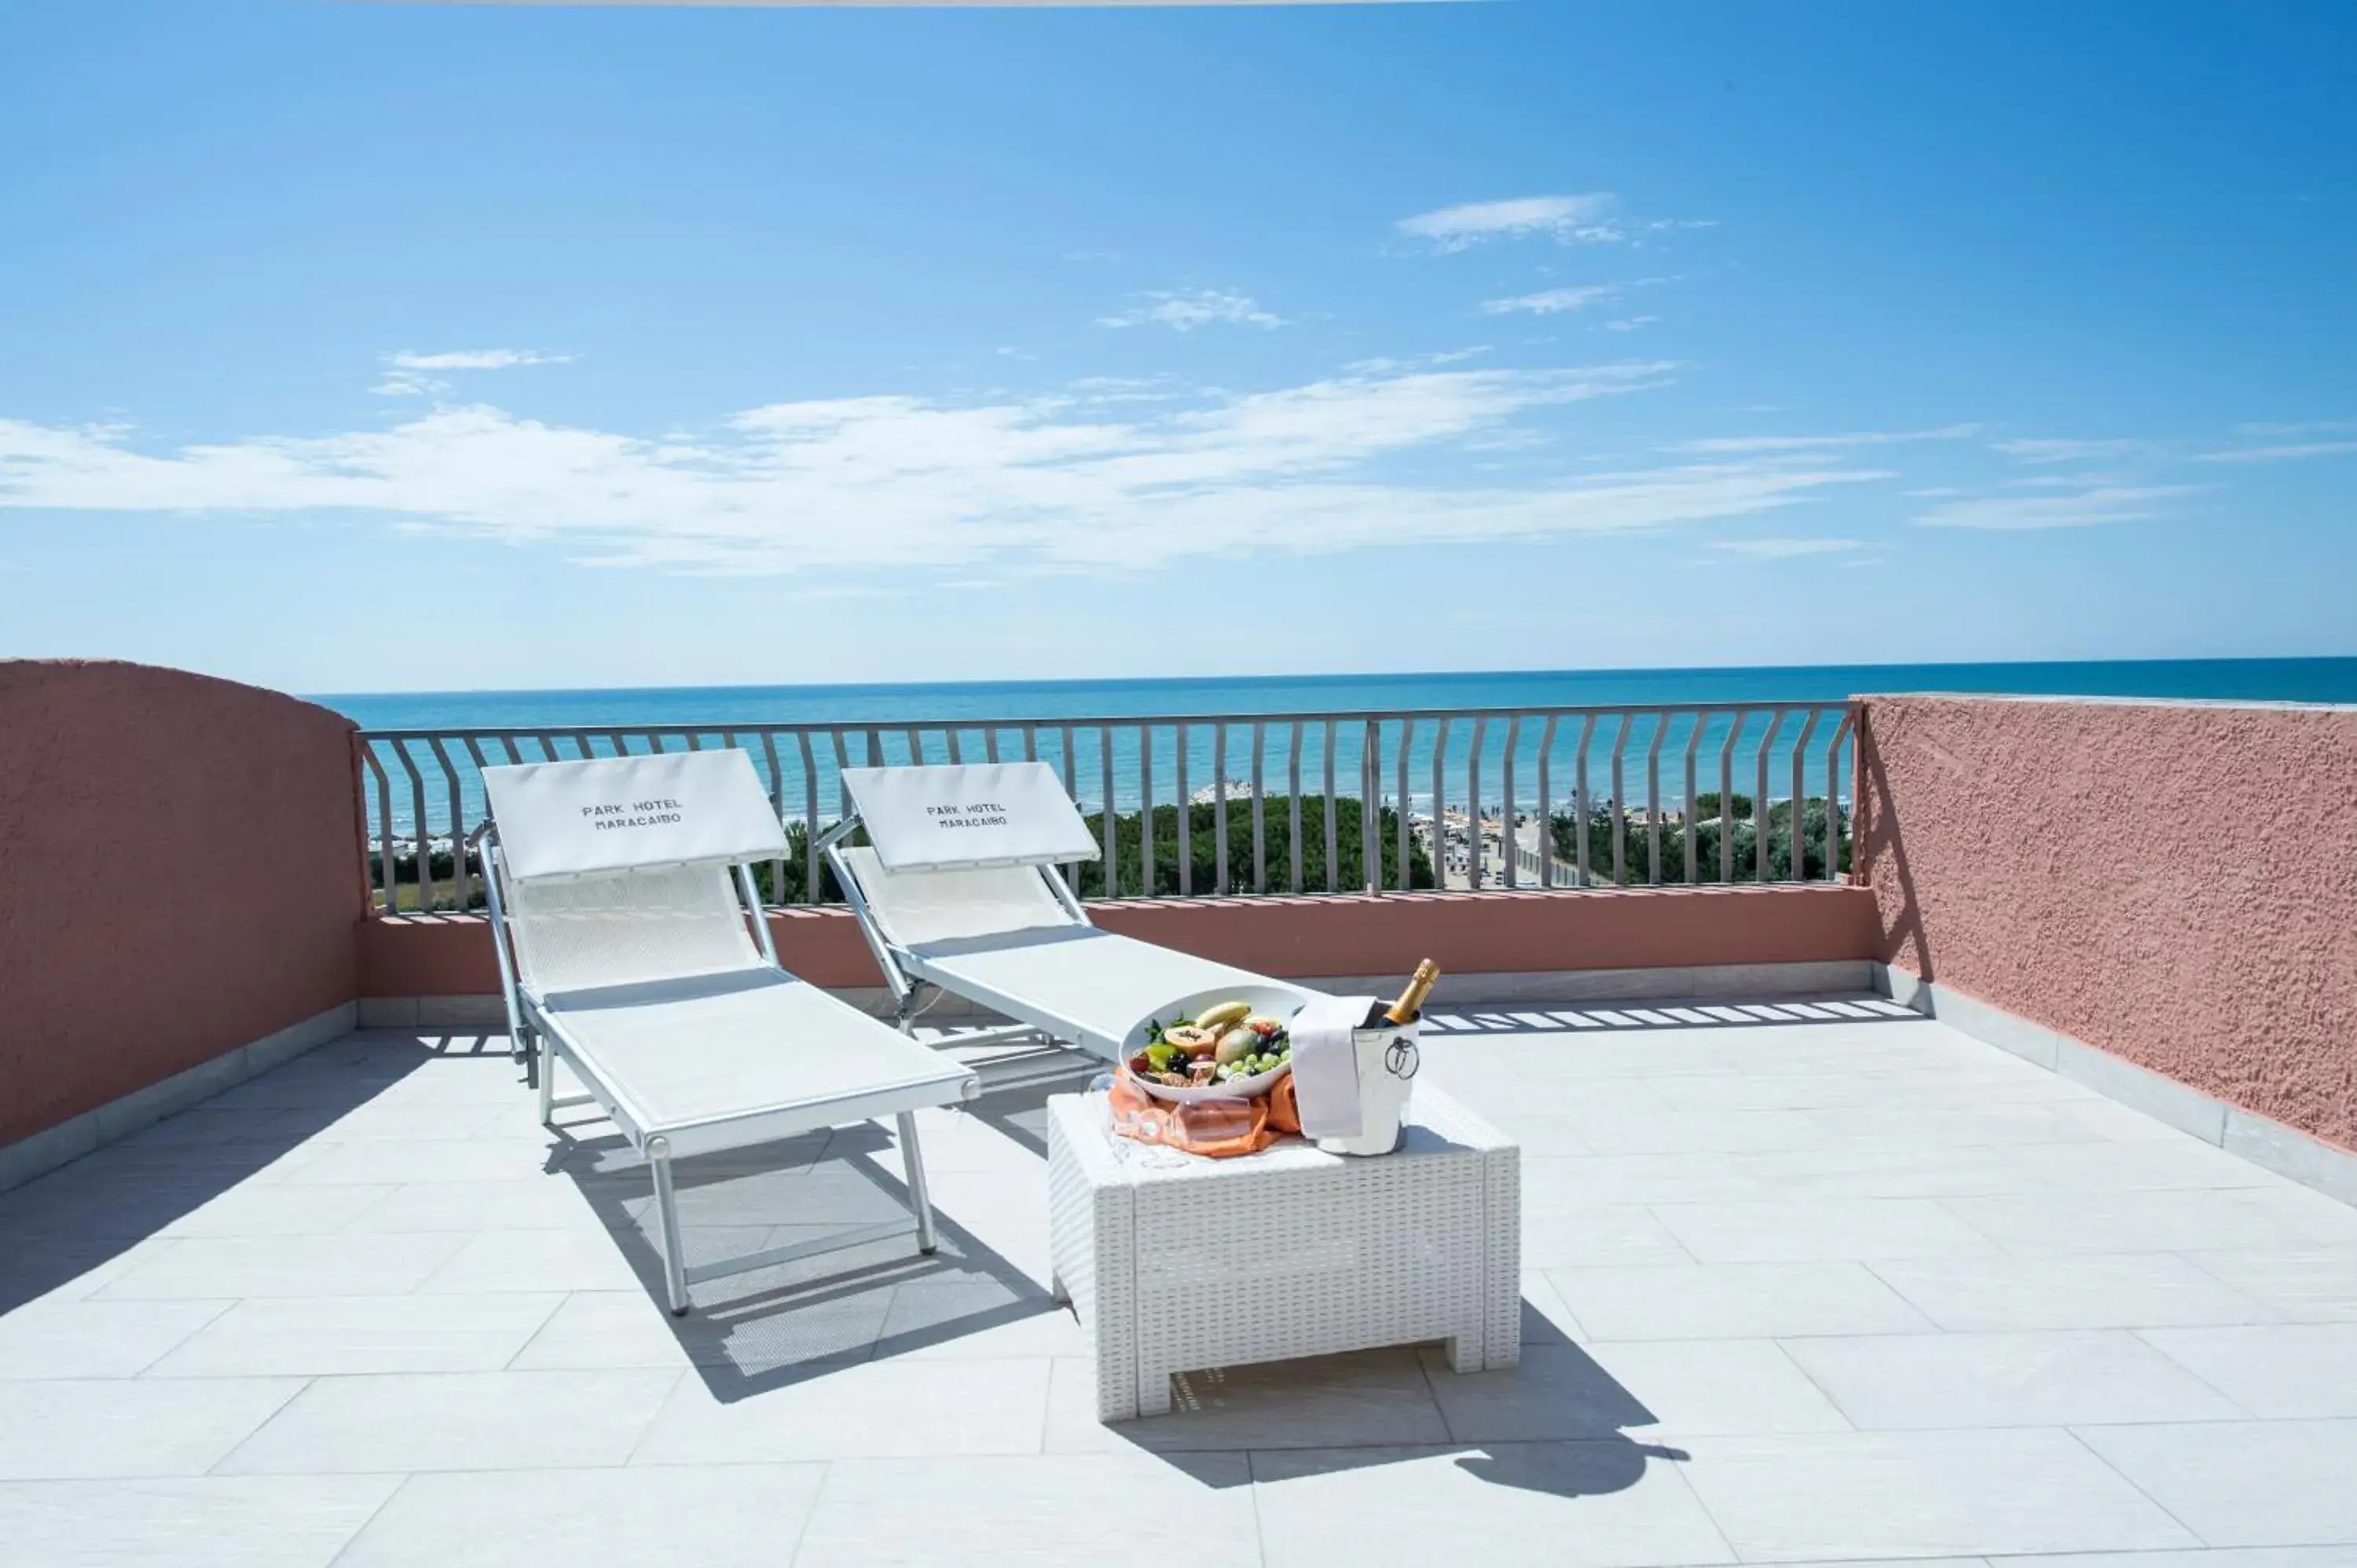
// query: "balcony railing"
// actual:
[[1272, 802]]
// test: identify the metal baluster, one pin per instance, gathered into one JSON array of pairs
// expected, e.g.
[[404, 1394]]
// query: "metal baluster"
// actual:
[[1220, 806], [1579, 796], [1293, 818], [1760, 818], [417, 838], [990, 743], [950, 735], [812, 877], [916, 740], [1404, 827], [458, 826], [1371, 790], [1440, 811], [1654, 799], [1260, 812], [1692, 827], [1185, 817], [1509, 838], [1333, 815], [458, 849], [842, 761], [1145, 808], [1071, 867], [1800, 867], [1726, 797], [1473, 802], [1104, 765], [383, 828], [1620, 804], [1833, 763], [777, 805], [1030, 743], [1546, 803]]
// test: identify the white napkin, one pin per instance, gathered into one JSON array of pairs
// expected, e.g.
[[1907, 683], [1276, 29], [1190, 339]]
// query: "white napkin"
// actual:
[[1326, 1064]]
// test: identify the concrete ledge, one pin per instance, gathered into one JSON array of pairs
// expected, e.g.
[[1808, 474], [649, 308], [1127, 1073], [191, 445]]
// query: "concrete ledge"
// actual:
[[21, 1161], [1757, 981], [1501, 934], [2267, 1144]]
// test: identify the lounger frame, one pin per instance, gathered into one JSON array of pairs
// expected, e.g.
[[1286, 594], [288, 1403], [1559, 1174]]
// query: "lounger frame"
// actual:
[[544, 1040], [906, 974]]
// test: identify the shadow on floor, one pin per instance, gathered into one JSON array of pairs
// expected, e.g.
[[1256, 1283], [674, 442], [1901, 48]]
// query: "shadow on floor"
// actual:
[[772, 1327], [1328, 1414], [83, 1215], [1598, 1018]]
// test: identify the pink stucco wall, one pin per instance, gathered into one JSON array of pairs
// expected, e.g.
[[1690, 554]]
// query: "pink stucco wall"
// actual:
[[2173, 884], [179, 877], [1465, 933]]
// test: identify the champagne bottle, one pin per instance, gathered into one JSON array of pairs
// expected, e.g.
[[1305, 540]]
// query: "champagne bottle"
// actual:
[[1410, 998]]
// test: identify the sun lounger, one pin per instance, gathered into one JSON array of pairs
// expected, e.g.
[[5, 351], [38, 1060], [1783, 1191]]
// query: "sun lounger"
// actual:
[[956, 890], [631, 948]]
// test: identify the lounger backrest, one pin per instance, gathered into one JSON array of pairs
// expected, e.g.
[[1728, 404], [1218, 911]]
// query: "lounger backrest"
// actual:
[[618, 870], [914, 908], [968, 816]]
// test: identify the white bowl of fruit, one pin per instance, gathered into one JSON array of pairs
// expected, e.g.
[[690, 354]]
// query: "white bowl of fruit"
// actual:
[[1222, 1044]]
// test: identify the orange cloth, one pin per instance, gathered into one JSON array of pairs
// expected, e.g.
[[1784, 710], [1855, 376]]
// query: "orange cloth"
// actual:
[[1221, 1129]]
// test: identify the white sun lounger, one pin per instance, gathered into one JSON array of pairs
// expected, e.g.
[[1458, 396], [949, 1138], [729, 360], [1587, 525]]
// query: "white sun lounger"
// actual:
[[956, 889], [632, 948]]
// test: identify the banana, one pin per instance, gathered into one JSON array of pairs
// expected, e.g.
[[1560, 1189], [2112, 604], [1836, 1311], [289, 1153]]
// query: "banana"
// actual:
[[1224, 1016]]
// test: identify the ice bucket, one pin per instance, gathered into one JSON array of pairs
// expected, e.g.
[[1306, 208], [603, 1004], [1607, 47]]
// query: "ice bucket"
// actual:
[[1387, 1063]]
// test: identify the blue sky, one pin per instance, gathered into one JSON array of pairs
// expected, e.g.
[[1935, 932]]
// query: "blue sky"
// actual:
[[351, 346]]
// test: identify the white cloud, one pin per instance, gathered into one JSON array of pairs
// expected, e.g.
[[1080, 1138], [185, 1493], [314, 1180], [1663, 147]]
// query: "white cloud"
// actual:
[[1782, 549], [474, 360], [2087, 508], [2290, 453], [892, 482], [1555, 301], [2259, 428], [2062, 449], [1572, 220], [408, 378], [408, 383], [1186, 311], [1630, 323], [1739, 444]]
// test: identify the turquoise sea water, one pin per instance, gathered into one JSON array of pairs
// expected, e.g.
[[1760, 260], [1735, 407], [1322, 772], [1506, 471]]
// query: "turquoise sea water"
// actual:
[[1128, 760], [2249, 679]]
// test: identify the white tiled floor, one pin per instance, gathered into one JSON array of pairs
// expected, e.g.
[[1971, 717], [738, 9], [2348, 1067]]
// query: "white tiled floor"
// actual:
[[1824, 1286]]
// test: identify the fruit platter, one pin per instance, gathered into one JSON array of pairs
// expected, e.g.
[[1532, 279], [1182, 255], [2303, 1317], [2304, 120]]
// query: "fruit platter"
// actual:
[[1230, 1045]]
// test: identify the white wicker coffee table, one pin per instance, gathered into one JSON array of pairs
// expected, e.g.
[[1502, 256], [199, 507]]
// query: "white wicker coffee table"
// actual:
[[1178, 1264]]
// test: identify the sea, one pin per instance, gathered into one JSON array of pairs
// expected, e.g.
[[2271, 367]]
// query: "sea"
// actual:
[[1009, 702], [1464, 765]]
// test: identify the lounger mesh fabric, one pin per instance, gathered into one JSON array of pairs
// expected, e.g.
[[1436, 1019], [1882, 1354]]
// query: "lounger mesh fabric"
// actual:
[[920, 908], [621, 928], [688, 1053]]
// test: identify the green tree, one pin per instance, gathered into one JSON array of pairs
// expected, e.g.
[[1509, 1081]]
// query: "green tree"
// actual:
[[1709, 832]]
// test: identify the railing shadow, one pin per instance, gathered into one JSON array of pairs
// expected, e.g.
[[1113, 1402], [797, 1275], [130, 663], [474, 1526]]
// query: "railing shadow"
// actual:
[[1602, 1017]]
